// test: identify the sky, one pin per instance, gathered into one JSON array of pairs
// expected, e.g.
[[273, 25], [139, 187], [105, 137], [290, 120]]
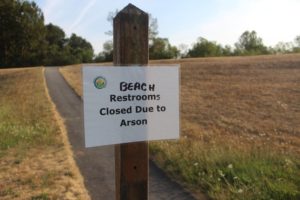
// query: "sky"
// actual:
[[182, 22]]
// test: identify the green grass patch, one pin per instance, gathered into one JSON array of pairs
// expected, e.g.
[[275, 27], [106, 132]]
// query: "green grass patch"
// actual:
[[43, 196], [8, 192], [26, 124], [227, 173], [24, 111], [14, 132]]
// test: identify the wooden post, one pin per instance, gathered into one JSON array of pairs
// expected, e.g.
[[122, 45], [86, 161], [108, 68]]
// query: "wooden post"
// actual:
[[131, 48]]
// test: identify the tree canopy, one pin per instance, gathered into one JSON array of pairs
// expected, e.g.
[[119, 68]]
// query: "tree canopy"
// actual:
[[159, 48], [107, 54], [205, 48], [26, 41], [250, 44], [162, 49], [297, 46], [22, 33]]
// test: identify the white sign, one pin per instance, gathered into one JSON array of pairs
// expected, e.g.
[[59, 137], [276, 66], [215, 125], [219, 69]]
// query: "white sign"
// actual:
[[130, 104]]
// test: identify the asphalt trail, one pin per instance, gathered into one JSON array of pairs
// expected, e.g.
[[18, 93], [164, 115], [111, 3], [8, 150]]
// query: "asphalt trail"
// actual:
[[97, 164]]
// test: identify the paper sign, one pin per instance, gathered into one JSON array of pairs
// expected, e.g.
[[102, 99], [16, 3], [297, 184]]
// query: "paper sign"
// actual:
[[130, 104]]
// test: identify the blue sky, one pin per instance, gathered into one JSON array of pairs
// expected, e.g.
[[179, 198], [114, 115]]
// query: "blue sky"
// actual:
[[182, 21]]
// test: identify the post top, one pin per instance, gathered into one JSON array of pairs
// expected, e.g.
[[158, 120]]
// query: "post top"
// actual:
[[132, 9]]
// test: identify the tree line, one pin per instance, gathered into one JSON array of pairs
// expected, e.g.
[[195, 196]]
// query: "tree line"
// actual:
[[249, 43], [25, 40], [159, 48]]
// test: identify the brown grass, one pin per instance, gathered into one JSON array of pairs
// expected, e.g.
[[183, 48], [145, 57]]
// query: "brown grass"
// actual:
[[245, 106], [34, 162], [256, 99]]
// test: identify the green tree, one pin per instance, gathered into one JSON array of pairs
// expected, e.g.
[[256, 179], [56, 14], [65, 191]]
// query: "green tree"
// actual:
[[282, 47], [55, 35], [162, 49], [227, 50], [250, 44], [8, 24], [297, 43], [152, 34], [153, 29], [205, 48], [81, 49], [26, 41], [63, 51], [22, 33], [107, 54], [57, 52], [183, 49]]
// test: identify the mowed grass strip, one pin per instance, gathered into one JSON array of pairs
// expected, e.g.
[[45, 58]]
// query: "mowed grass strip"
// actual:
[[34, 163], [225, 168], [240, 130]]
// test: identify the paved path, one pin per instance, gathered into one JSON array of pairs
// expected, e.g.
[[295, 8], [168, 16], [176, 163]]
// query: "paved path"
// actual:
[[97, 164]]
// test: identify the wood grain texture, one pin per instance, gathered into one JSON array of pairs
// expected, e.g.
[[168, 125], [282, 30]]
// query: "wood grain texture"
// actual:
[[131, 48]]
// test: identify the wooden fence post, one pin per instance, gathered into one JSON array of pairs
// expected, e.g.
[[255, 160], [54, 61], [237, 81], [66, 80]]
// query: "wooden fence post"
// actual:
[[131, 48]]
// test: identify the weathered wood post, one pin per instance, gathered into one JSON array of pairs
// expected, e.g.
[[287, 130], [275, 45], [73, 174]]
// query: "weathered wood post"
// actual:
[[131, 48]]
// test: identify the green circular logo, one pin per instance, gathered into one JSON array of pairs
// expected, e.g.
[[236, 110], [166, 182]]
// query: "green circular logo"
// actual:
[[100, 82]]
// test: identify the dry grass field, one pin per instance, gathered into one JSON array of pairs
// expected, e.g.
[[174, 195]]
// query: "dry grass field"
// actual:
[[35, 160], [255, 99], [240, 127]]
